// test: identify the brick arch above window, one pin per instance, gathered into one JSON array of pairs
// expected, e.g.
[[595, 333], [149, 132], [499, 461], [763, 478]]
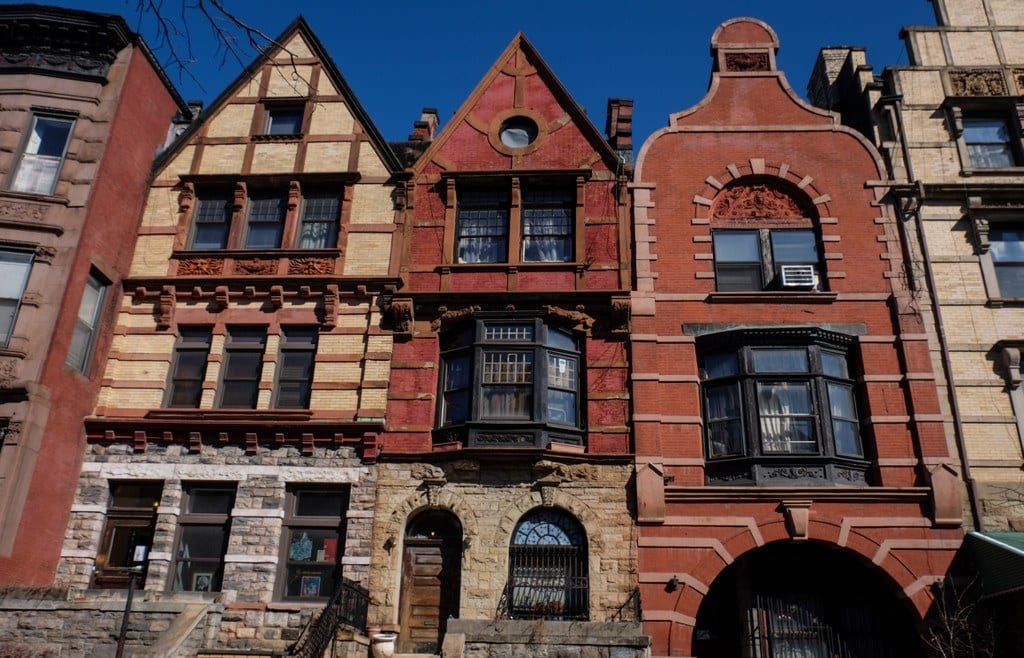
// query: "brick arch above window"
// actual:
[[777, 176]]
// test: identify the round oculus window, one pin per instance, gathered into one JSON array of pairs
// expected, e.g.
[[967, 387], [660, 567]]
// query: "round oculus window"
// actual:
[[518, 132]]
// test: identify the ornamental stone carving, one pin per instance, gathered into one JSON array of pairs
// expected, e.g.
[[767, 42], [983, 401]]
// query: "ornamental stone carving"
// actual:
[[22, 211], [253, 266], [8, 373], [1018, 77], [45, 254], [621, 310], [450, 316], [977, 83], [311, 266], [747, 62], [200, 266], [757, 201], [580, 320]]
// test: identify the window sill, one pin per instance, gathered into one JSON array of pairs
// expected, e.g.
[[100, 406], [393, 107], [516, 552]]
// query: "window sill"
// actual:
[[999, 302], [471, 267], [288, 137], [276, 252], [35, 196], [284, 415], [769, 296], [994, 171]]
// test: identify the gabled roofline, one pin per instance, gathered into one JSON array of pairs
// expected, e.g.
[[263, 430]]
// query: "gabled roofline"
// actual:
[[299, 25], [577, 114]]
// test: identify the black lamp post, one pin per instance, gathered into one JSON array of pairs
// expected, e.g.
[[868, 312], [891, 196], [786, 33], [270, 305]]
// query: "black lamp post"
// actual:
[[134, 572]]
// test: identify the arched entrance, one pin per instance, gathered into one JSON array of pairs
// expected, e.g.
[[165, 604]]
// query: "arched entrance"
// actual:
[[431, 580], [803, 600]]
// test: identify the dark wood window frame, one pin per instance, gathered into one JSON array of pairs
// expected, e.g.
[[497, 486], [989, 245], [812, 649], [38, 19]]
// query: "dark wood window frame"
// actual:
[[138, 520], [498, 388], [1004, 109], [297, 350], [242, 341], [290, 576], [193, 341], [510, 189], [743, 402], [209, 577], [231, 227]]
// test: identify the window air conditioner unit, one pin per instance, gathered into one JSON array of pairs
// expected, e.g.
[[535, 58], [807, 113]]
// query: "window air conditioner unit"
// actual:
[[798, 276]]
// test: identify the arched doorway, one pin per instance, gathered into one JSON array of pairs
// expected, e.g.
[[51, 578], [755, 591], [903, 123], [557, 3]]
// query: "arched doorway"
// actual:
[[803, 600], [431, 580]]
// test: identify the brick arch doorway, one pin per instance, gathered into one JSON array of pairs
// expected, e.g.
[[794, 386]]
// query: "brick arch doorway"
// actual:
[[804, 600], [431, 580]]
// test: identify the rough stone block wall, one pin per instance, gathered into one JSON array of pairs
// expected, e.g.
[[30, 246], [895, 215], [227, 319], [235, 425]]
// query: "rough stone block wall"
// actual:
[[253, 614], [489, 498]]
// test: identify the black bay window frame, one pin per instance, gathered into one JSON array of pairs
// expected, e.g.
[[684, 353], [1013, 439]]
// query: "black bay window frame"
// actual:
[[752, 462], [547, 421]]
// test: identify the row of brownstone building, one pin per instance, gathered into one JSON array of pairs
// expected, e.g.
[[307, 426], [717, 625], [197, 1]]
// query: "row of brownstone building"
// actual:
[[503, 388]]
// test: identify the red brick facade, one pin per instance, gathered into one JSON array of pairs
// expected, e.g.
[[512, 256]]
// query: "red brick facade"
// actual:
[[720, 501]]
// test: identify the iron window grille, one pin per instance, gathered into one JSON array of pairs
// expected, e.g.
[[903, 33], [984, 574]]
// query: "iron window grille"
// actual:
[[780, 409], [548, 568], [511, 380], [203, 530]]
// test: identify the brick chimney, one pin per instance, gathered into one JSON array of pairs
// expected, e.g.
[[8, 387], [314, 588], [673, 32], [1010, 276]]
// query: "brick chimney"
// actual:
[[425, 129], [620, 127]]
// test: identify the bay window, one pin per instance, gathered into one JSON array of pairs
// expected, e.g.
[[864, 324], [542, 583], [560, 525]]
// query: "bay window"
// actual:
[[511, 379], [780, 407]]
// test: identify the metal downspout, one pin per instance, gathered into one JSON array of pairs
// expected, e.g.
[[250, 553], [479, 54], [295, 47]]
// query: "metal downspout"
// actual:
[[897, 101]]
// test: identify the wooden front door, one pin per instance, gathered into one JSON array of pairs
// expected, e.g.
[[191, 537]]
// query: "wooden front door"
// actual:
[[430, 587]]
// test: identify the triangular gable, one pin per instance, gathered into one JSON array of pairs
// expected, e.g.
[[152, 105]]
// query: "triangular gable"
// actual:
[[300, 39], [519, 83]]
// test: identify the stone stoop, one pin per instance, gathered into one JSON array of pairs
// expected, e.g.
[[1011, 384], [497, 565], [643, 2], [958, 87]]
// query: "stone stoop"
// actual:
[[524, 639]]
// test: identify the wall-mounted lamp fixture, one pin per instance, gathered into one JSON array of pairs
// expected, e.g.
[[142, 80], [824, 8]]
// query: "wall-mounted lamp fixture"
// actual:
[[672, 584]]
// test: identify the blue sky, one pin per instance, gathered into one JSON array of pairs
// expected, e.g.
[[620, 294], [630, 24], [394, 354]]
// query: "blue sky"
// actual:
[[400, 56]]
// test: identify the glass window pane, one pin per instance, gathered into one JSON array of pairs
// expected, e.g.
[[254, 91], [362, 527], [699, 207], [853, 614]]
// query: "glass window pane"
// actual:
[[841, 403], [720, 365], [457, 372], [562, 407], [313, 502], [737, 247], [847, 437], [834, 365], [284, 120], [794, 247], [511, 332], [507, 402], [210, 501], [49, 136], [240, 395], [735, 277], [14, 269], [784, 408], [780, 360], [507, 368], [1006, 244], [723, 402], [125, 538], [985, 130], [310, 581], [988, 142], [562, 372], [1011, 280], [456, 406], [562, 340], [136, 495], [202, 541]]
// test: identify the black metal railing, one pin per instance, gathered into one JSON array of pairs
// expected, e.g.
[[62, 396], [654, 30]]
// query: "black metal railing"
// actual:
[[548, 582], [348, 606]]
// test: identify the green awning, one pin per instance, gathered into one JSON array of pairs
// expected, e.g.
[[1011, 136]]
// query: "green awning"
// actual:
[[999, 559]]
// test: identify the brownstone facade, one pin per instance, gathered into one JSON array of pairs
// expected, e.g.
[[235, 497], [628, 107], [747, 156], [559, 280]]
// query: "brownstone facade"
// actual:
[[503, 489], [84, 107], [794, 483]]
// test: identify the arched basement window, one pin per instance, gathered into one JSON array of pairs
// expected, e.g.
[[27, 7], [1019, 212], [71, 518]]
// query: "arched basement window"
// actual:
[[547, 573]]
